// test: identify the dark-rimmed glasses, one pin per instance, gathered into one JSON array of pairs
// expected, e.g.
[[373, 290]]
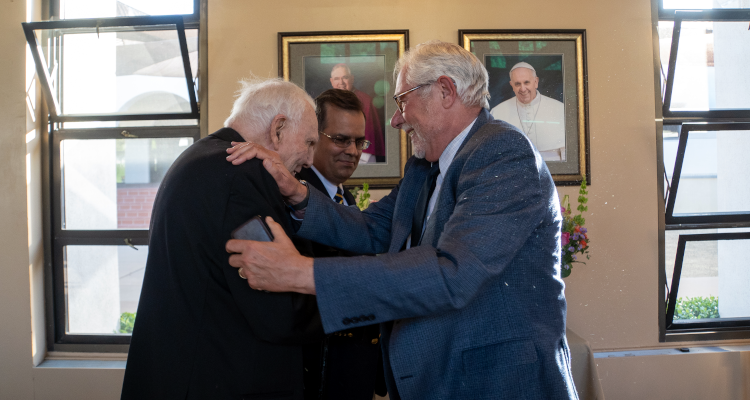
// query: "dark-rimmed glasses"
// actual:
[[344, 142], [397, 98]]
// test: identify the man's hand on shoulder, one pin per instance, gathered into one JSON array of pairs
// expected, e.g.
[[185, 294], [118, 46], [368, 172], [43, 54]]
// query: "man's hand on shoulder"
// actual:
[[272, 266], [291, 189]]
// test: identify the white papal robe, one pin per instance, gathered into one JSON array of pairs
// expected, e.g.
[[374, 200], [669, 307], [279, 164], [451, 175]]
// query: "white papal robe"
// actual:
[[542, 120]]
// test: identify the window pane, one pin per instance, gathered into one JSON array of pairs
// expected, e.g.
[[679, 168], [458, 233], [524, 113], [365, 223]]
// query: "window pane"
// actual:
[[665, 45], [670, 139], [714, 174], [713, 282], [705, 4], [122, 8], [102, 283], [130, 71], [111, 183], [711, 71]]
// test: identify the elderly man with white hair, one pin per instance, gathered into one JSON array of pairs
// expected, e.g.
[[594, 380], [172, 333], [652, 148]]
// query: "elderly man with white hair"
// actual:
[[541, 118], [468, 293], [200, 331]]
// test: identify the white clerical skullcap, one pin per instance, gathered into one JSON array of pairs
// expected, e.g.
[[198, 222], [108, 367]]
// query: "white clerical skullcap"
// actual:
[[523, 65]]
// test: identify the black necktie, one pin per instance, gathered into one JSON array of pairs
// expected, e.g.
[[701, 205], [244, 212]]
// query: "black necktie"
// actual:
[[339, 196], [421, 209]]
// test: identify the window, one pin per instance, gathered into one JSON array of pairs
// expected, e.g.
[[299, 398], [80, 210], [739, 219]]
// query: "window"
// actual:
[[120, 83], [705, 142]]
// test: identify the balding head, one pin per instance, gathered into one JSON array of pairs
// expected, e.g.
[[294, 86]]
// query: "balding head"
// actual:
[[342, 78], [278, 115]]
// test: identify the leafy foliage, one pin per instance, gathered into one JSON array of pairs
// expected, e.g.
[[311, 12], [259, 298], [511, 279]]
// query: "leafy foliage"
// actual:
[[362, 196], [574, 238], [696, 307], [127, 320]]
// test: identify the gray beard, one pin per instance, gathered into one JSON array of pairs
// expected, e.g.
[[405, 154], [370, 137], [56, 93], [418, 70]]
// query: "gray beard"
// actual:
[[418, 144]]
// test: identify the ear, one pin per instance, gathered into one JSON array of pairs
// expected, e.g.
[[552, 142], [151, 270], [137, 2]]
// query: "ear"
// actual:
[[448, 91], [275, 131]]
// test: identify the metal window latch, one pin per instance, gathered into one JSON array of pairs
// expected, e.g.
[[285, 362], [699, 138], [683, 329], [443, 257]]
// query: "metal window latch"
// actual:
[[129, 243], [128, 134]]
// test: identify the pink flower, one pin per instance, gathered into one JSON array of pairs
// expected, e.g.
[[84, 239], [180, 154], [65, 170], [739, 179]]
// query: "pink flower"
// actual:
[[565, 238]]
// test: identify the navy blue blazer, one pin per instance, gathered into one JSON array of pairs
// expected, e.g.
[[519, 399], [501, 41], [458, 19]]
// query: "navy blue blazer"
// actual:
[[477, 311]]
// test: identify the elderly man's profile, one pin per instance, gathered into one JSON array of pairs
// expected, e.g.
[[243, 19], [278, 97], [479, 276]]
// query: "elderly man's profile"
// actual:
[[541, 118], [342, 78], [201, 332]]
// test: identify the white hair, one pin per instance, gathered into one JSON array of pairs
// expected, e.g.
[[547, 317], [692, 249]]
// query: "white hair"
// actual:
[[428, 61], [260, 100], [342, 65]]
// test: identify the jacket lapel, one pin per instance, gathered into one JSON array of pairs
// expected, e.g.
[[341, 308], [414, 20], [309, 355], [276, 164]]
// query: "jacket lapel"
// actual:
[[446, 200], [403, 212]]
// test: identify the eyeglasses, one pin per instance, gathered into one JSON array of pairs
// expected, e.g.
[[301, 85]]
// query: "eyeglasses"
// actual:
[[397, 98], [344, 142]]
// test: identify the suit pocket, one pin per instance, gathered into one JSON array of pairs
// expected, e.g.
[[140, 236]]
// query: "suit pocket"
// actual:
[[285, 395], [498, 355]]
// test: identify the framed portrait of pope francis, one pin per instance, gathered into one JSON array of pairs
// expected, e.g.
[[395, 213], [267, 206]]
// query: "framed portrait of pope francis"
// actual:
[[537, 82], [361, 62]]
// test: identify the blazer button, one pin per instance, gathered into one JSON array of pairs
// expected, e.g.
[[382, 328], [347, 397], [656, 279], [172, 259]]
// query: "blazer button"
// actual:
[[374, 341], [355, 319], [371, 317], [346, 321], [363, 318]]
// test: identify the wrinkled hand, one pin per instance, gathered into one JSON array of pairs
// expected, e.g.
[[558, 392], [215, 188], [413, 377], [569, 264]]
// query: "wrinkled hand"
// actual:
[[273, 266], [290, 188]]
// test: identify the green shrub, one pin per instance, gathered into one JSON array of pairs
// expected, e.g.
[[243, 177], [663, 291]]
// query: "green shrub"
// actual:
[[696, 308], [126, 323]]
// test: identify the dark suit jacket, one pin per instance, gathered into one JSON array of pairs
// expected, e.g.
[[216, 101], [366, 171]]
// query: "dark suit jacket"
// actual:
[[478, 309], [342, 367], [200, 331]]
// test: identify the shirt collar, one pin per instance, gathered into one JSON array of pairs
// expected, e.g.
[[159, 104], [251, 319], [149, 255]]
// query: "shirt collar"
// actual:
[[330, 187], [450, 151]]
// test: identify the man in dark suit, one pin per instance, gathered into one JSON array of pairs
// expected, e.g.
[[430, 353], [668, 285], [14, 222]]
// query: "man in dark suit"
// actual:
[[346, 365], [474, 307], [200, 331]]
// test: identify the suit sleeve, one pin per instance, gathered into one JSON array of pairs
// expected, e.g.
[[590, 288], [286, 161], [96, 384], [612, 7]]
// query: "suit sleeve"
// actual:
[[282, 318], [348, 228], [499, 202]]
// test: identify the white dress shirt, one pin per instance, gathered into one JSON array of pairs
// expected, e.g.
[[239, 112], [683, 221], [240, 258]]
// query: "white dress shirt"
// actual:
[[330, 187]]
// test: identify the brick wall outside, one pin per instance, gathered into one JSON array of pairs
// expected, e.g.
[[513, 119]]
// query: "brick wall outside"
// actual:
[[134, 204]]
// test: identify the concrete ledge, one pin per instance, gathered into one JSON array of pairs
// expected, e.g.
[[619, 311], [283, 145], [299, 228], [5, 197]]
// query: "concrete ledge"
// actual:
[[83, 364]]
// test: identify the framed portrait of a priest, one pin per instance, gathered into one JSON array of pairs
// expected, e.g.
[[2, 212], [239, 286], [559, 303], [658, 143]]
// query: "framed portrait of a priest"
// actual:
[[537, 82]]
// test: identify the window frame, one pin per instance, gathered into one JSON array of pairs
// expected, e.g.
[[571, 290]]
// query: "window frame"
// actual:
[[726, 324], [711, 120], [707, 220], [55, 109], [55, 238], [678, 16]]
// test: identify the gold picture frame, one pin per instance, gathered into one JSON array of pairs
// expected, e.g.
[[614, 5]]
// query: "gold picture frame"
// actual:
[[309, 58], [559, 60]]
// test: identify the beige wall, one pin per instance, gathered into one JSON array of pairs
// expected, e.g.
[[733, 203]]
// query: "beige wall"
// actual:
[[612, 299], [15, 312]]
